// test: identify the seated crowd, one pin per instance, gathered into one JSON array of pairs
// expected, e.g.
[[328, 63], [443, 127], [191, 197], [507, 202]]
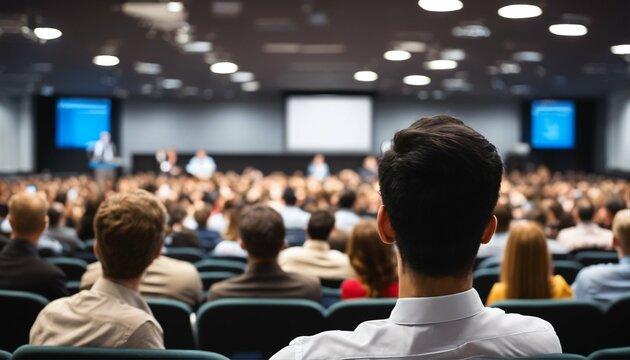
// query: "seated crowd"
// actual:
[[440, 204]]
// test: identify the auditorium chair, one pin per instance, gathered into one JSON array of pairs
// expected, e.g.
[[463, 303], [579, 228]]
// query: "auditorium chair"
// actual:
[[73, 268], [209, 265], [616, 320], [621, 353], [567, 268], [578, 323], [189, 254], [239, 259], [174, 317], [73, 286], [18, 311], [255, 326], [346, 315], [295, 237], [5, 355], [484, 279], [554, 356], [330, 296], [210, 277], [593, 257], [489, 262], [33, 352], [331, 283]]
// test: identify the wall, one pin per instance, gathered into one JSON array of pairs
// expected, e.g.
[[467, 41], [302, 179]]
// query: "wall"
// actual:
[[16, 135], [618, 132]]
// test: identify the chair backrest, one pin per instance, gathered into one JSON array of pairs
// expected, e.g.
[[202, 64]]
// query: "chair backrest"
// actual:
[[616, 320], [567, 268], [5, 355], [484, 279], [208, 265], [576, 322], [174, 317], [67, 352], [210, 277], [295, 237], [330, 296], [18, 311], [489, 262], [230, 326], [72, 267], [238, 259], [331, 283], [189, 254], [346, 315], [593, 257], [622, 353], [73, 286], [555, 356]]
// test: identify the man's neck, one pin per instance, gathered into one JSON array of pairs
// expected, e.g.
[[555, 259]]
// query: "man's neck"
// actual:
[[252, 260], [32, 238], [133, 284], [413, 284]]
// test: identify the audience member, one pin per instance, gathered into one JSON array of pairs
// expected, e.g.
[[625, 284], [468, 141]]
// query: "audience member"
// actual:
[[606, 213], [293, 216], [129, 230], [262, 233], [58, 230], [586, 234], [526, 268], [496, 246], [179, 236], [230, 245], [345, 218], [21, 268], [208, 239], [605, 282], [433, 164], [314, 257], [373, 261]]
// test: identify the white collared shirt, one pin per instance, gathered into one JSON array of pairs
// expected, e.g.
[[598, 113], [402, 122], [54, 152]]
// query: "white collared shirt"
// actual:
[[585, 235], [316, 258], [455, 326]]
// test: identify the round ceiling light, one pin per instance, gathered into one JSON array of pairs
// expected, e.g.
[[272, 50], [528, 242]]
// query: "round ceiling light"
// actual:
[[46, 33], [397, 55], [416, 80], [520, 11], [440, 64], [568, 29], [242, 76], [224, 67], [250, 86], [441, 5], [106, 60], [621, 49], [366, 76]]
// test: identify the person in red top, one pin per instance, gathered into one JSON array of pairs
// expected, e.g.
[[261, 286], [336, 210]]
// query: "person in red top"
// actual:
[[373, 261]]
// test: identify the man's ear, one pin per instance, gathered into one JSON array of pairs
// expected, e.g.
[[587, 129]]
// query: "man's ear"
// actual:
[[95, 249], [242, 243], [616, 242], [384, 225], [489, 231]]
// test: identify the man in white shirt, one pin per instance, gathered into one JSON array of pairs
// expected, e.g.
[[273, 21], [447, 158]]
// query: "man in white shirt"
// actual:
[[586, 234], [345, 218], [201, 165], [293, 216], [129, 230], [433, 164]]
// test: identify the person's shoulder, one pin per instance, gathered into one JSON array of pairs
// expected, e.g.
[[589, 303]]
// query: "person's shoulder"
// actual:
[[510, 323], [306, 279], [596, 272]]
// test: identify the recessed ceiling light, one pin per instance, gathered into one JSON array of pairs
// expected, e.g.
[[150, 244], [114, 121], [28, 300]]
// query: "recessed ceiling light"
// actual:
[[456, 84], [621, 49], [509, 68], [453, 54], [440, 64], [147, 68], [397, 55], [46, 33], [171, 83], [568, 29], [365, 76], [527, 56], [250, 86], [520, 11], [410, 46], [197, 47], [106, 60], [224, 67], [175, 6], [242, 76], [471, 31], [441, 5], [416, 80]]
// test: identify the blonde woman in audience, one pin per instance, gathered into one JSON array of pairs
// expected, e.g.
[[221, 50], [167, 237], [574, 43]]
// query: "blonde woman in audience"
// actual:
[[230, 245], [373, 262], [526, 270]]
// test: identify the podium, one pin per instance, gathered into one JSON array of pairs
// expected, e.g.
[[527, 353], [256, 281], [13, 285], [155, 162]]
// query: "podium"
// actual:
[[104, 171]]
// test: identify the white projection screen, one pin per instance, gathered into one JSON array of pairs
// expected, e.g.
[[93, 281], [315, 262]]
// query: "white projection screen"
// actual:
[[329, 123]]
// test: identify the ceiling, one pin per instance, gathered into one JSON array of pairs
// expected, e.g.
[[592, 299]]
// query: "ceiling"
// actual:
[[316, 46]]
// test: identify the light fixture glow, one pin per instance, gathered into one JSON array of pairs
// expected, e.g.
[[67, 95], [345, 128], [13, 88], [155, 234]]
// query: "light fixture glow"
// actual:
[[520, 11], [147, 68], [568, 29], [171, 83], [224, 67], [105, 60], [242, 76], [527, 56], [441, 5], [366, 76], [453, 54], [621, 49], [397, 55], [197, 47], [46, 33], [250, 86], [471, 31], [175, 6], [440, 64], [416, 80]]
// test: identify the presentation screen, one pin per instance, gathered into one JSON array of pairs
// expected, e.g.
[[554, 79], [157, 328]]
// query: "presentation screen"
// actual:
[[553, 124], [329, 123], [79, 121]]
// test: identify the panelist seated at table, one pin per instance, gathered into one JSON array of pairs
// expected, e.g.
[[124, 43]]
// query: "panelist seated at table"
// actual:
[[201, 165]]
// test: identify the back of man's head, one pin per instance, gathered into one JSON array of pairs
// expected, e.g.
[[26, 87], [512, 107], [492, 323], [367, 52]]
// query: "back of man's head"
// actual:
[[201, 216], [27, 214], [129, 230], [289, 197], [55, 213], [320, 225], [439, 184], [503, 212], [262, 231], [614, 204], [585, 209], [347, 199], [621, 229]]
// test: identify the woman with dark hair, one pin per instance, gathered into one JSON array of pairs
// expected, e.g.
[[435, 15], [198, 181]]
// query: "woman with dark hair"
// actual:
[[374, 263], [231, 243]]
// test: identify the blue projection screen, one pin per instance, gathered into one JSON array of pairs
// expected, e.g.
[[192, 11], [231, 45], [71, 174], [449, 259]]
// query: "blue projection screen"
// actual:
[[553, 124], [80, 121]]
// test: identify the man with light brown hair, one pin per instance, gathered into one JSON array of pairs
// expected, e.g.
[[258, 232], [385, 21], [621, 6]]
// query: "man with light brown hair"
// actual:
[[21, 268], [129, 230]]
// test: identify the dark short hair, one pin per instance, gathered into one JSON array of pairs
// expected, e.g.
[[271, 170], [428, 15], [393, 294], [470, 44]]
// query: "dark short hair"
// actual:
[[439, 184], [262, 231], [585, 209], [289, 197], [54, 217], [615, 204], [503, 212], [201, 216], [320, 225], [347, 199]]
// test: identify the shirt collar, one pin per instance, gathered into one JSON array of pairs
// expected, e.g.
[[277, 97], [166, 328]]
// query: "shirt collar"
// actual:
[[122, 293], [437, 309], [267, 267], [319, 245], [25, 245]]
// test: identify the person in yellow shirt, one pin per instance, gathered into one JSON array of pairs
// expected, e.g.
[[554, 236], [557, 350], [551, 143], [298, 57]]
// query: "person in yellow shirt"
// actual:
[[526, 269]]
